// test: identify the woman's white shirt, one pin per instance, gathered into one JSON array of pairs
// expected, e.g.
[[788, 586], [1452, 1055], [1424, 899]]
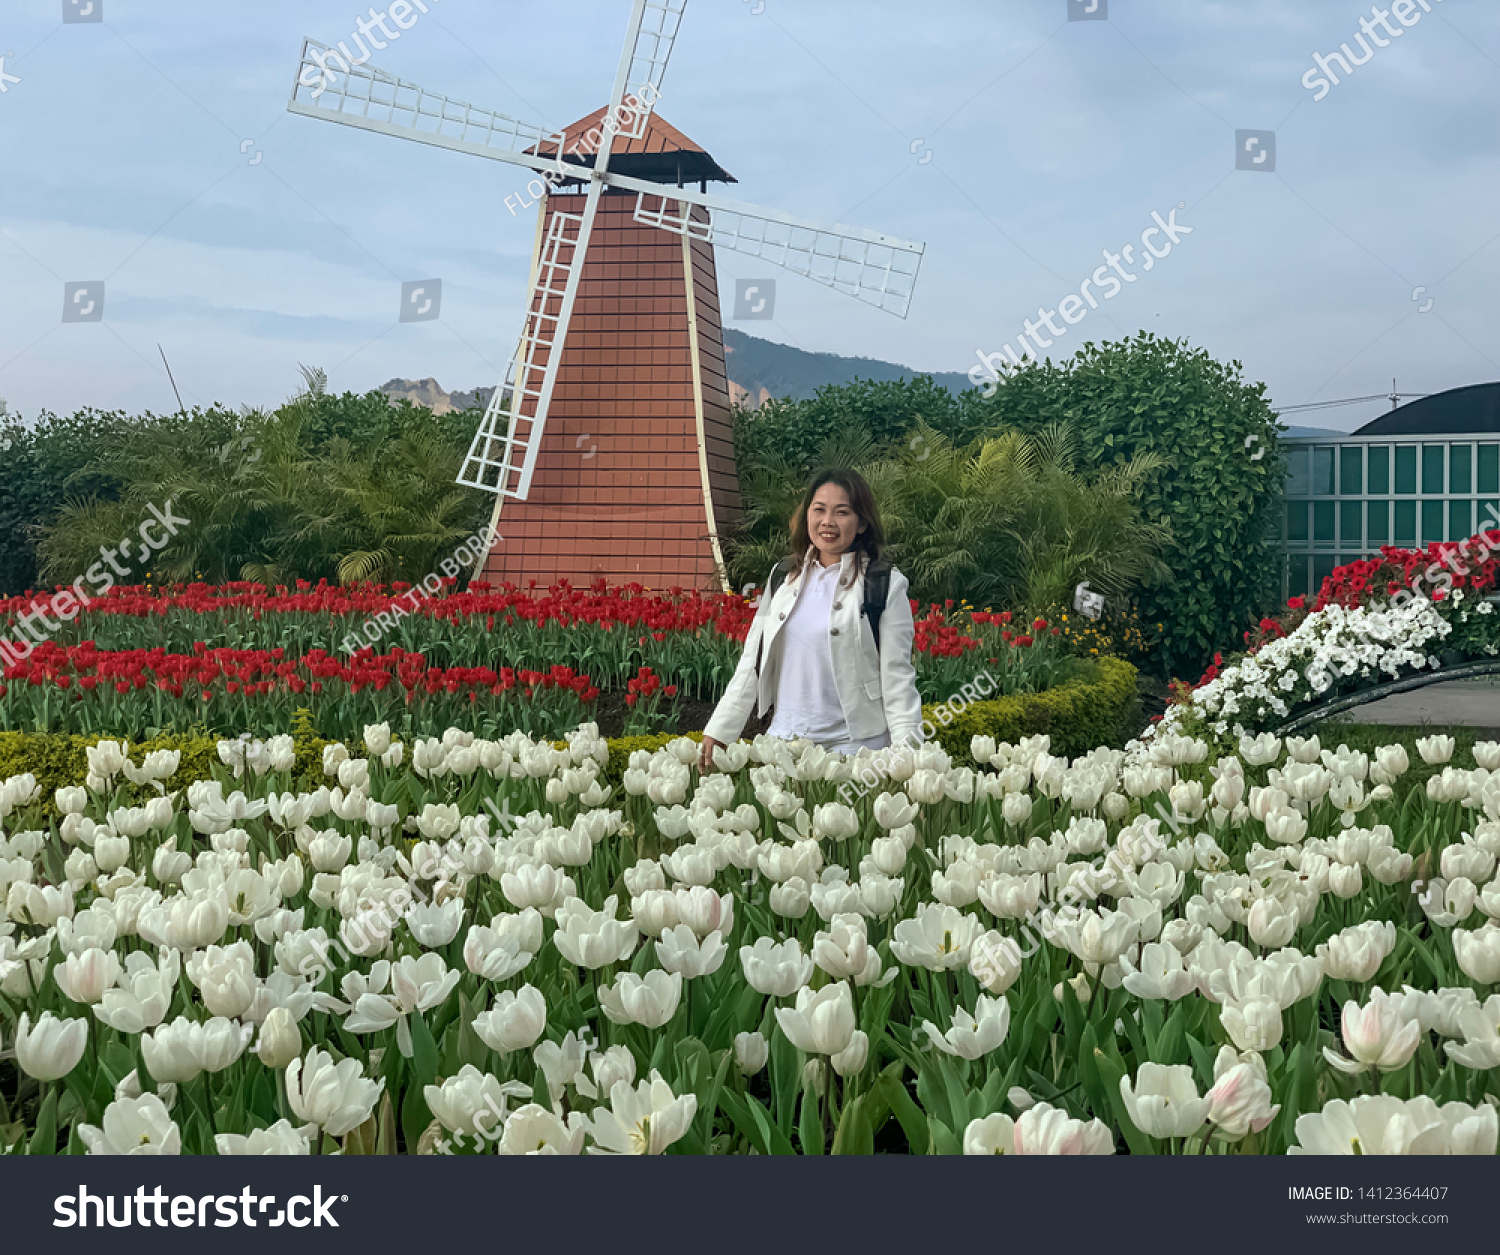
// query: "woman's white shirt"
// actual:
[[807, 700]]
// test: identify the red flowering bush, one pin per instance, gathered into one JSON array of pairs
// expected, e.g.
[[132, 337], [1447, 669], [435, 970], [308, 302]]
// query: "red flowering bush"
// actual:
[[243, 655], [643, 697], [1430, 572], [84, 689]]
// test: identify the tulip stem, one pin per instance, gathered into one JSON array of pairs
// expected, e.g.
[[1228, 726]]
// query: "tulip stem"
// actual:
[[208, 1104], [827, 1103]]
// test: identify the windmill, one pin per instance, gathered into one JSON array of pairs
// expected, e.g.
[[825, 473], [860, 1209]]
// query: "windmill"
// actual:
[[648, 500]]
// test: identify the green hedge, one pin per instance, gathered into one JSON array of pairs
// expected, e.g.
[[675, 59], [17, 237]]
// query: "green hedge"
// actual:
[[59, 759], [1079, 717]]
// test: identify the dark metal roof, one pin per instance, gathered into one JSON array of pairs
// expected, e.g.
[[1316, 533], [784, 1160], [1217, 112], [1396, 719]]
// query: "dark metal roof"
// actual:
[[662, 155], [1474, 408]]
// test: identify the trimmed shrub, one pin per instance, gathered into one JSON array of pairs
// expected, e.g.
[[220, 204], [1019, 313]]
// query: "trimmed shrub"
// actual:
[[1078, 717]]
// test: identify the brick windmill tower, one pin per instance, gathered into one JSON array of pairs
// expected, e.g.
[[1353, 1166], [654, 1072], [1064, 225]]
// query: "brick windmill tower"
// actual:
[[609, 443]]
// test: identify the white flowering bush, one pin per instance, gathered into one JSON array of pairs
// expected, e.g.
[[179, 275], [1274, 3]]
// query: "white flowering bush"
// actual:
[[481, 947], [1365, 644]]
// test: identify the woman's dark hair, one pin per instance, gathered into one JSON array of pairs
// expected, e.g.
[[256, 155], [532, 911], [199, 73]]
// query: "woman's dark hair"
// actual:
[[867, 543]]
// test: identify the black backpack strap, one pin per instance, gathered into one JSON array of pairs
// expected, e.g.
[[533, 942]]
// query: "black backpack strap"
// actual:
[[778, 573], [877, 589]]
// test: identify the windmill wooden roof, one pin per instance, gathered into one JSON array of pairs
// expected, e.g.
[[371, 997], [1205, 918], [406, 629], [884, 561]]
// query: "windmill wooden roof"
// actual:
[[662, 154]]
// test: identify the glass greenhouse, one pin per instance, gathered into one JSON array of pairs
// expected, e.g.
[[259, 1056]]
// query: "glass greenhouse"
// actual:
[[1424, 472]]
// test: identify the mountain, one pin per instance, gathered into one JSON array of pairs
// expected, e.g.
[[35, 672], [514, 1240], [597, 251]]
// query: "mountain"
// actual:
[[760, 369], [430, 393], [1309, 433]]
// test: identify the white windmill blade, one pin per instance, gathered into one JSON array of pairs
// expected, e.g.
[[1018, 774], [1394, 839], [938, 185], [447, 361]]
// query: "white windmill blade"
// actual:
[[330, 86], [649, 40], [502, 456], [880, 270]]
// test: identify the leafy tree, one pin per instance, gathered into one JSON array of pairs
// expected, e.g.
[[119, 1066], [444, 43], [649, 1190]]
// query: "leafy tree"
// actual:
[[1017, 520], [78, 459], [1217, 485], [792, 434], [340, 487]]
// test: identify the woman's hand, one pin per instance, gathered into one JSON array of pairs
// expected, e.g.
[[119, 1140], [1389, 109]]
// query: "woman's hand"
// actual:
[[706, 758]]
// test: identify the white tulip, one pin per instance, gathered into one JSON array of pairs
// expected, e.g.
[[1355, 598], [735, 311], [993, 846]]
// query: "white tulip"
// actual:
[[611, 1067], [469, 1102], [85, 977], [1271, 923], [1478, 953], [973, 1036], [751, 1051], [281, 1138], [1357, 953], [821, 1023], [851, 1060], [335, 1096], [643, 1120], [435, 925], [1164, 1101], [1378, 1035], [778, 970], [515, 1022], [1254, 1025], [992, 1135], [280, 1039], [1240, 1100], [591, 938], [1160, 973], [650, 1000], [679, 951], [51, 1048], [1047, 1130], [133, 1126], [1435, 750]]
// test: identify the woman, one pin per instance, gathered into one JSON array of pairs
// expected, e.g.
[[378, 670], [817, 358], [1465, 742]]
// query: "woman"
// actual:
[[818, 661]]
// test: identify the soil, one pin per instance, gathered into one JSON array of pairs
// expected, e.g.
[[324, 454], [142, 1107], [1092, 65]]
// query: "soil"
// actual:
[[1152, 693], [684, 715], [681, 715]]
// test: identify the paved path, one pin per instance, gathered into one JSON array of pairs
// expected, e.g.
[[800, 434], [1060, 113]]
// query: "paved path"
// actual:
[[1463, 703]]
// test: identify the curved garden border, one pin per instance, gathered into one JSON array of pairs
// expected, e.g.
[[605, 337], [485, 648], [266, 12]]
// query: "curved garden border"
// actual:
[[1405, 684]]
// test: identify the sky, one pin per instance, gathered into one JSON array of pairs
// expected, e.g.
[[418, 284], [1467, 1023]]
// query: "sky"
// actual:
[[1019, 140]]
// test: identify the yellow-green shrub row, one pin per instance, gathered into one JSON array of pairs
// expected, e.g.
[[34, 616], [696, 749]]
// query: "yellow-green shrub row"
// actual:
[[1079, 717]]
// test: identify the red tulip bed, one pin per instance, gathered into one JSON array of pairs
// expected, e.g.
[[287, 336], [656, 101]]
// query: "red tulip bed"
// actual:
[[236, 656]]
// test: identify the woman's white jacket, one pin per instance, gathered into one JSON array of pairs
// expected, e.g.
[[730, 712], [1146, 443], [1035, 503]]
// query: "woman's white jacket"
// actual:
[[877, 690]]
